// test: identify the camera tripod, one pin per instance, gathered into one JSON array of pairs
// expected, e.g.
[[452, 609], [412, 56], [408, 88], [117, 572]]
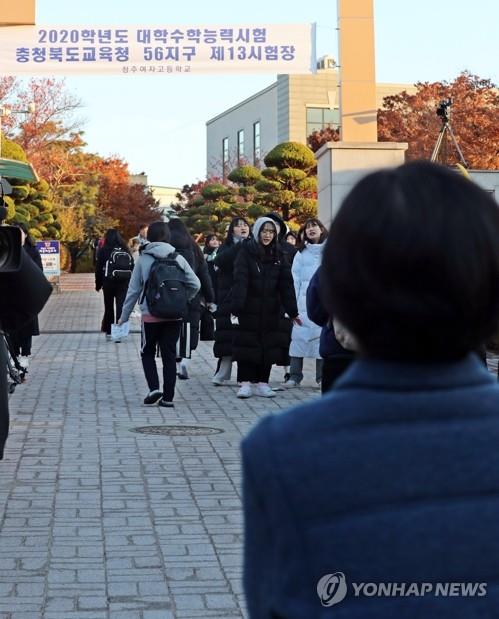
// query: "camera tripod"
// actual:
[[440, 151]]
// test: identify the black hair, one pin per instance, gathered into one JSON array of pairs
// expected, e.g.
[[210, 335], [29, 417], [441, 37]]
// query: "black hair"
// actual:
[[230, 232], [158, 232], [302, 233], [411, 264], [290, 233], [113, 239], [272, 249], [180, 237], [282, 228]]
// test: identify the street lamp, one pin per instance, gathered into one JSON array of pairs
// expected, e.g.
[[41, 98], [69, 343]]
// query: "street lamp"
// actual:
[[5, 111]]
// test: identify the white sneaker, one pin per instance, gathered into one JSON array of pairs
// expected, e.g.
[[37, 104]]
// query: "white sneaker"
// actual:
[[264, 391], [217, 381], [290, 384], [245, 392], [24, 361]]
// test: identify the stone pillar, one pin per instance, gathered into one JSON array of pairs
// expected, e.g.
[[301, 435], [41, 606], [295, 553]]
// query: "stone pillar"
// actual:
[[358, 122], [17, 12], [341, 164]]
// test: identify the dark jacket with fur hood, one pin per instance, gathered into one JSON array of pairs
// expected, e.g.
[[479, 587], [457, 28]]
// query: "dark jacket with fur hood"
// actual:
[[262, 286]]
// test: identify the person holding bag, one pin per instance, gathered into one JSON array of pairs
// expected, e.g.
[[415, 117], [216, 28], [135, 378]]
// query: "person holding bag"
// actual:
[[163, 304], [112, 274], [262, 286]]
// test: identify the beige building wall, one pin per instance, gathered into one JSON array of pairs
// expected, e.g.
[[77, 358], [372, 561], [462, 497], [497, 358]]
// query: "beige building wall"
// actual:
[[261, 107], [282, 111]]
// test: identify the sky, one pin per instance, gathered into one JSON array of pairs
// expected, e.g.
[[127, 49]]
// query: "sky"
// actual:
[[158, 126]]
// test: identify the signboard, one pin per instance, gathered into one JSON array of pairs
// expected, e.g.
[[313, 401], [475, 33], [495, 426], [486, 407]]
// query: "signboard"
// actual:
[[50, 252], [157, 49]]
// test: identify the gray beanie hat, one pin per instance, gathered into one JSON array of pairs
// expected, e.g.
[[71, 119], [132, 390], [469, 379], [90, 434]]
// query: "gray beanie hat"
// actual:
[[258, 225]]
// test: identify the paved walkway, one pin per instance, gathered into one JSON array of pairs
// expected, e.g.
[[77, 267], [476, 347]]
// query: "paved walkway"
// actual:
[[100, 522]]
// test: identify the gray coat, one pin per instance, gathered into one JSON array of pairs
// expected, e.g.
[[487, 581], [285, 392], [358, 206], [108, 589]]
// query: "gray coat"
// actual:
[[140, 274]]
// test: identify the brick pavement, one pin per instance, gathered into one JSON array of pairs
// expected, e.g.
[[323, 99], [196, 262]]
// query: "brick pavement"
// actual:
[[99, 522]]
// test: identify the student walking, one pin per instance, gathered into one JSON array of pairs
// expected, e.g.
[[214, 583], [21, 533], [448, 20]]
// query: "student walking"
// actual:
[[262, 285], [157, 331], [112, 274], [237, 235], [185, 245], [305, 340]]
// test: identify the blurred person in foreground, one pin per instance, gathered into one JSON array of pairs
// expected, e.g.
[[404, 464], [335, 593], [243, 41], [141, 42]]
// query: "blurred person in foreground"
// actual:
[[392, 477]]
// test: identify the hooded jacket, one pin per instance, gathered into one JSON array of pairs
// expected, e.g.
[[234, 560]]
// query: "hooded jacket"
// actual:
[[140, 275]]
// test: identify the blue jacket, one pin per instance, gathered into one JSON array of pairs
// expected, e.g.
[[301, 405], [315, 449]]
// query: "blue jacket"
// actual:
[[391, 477], [329, 346]]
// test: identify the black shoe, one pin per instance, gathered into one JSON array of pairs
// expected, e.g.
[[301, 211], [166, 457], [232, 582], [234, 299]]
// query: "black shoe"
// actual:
[[183, 374], [165, 403], [153, 396]]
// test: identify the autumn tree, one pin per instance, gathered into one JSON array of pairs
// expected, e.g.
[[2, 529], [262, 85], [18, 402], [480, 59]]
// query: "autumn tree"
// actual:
[[45, 134], [129, 204], [474, 119], [318, 138]]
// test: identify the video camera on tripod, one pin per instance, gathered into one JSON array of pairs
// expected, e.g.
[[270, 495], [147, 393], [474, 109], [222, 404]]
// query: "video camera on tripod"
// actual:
[[10, 236], [443, 109], [440, 153]]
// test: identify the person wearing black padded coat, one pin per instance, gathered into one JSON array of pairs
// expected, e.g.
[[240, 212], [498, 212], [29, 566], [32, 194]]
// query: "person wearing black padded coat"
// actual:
[[262, 286], [186, 246], [238, 233]]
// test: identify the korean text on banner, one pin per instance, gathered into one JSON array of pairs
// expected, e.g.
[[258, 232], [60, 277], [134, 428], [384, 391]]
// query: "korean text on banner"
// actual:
[[157, 50]]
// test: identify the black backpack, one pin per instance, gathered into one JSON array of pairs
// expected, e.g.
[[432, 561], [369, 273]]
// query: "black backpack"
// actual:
[[165, 290], [119, 265]]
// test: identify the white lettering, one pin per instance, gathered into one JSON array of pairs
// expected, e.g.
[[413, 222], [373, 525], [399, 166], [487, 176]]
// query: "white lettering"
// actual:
[[442, 588], [385, 588], [483, 589], [426, 587], [357, 588], [412, 589], [370, 589], [469, 588], [455, 588], [398, 588]]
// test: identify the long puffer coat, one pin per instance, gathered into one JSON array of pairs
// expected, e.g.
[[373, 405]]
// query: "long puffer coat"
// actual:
[[224, 263], [262, 285], [305, 340]]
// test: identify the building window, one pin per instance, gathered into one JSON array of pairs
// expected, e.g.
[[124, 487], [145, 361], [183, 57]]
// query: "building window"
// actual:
[[240, 146], [322, 118], [257, 153], [225, 157]]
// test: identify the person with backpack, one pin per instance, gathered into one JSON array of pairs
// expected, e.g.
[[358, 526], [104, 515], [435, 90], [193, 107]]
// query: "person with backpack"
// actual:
[[163, 283], [112, 274]]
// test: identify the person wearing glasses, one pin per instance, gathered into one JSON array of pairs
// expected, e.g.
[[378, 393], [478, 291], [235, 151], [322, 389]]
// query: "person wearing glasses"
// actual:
[[262, 285]]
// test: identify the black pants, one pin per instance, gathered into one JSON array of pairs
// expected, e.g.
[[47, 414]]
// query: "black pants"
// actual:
[[114, 292], [21, 343], [165, 334], [251, 373], [332, 370]]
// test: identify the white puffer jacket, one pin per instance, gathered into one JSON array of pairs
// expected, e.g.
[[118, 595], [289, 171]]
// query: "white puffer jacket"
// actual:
[[305, 339]]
